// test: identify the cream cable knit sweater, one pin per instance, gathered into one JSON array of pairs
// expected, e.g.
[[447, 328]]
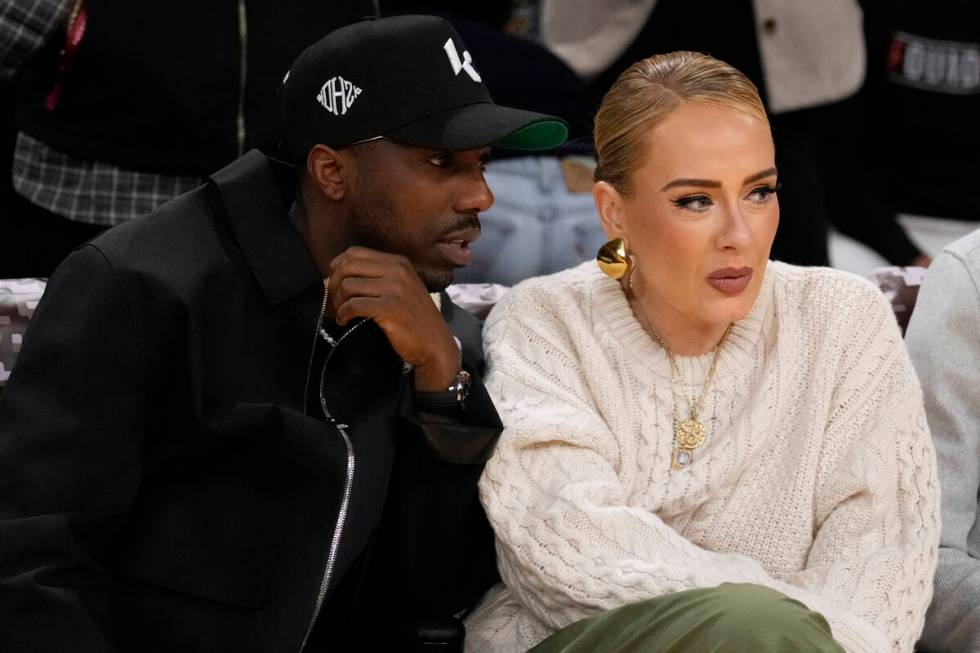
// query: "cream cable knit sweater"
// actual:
[[818, 478]]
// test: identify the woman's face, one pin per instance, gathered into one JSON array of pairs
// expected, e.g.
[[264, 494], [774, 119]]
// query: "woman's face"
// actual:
[[701, 215]]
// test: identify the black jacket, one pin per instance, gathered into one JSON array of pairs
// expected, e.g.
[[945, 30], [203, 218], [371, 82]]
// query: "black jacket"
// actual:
[[177, 87], [164, 488]]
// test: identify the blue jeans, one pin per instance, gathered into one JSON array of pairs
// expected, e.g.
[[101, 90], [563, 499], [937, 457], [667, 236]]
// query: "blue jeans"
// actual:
[[536, 226]]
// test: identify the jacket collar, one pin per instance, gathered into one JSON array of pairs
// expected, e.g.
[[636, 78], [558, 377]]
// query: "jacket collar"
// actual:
[[257, 192]]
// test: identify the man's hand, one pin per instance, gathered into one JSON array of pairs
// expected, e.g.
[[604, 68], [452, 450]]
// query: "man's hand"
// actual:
[[385, 288]]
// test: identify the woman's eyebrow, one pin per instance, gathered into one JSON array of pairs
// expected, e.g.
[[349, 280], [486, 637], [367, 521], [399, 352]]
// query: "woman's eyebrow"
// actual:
[[711, 183], [707, 183]]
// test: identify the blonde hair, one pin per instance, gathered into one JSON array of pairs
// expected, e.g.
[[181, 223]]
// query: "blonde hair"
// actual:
[[647, 92]]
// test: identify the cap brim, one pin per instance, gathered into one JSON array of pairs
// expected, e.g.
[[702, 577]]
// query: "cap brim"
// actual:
[[483, 124]]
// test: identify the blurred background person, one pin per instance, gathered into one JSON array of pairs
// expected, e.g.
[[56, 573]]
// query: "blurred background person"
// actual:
[[920, 135], [945, 349], [121, 106]]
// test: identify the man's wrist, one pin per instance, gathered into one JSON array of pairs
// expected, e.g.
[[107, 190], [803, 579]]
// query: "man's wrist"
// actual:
[[449, 400], [437, 375]]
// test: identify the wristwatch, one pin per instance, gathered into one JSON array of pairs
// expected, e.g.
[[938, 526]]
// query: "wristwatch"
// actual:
[[451, 400], [462, 387]]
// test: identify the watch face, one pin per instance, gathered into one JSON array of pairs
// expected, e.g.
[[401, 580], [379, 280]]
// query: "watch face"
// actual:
[[462, 386]]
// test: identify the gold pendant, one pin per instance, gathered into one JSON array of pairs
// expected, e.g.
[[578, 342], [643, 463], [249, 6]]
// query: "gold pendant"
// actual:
[[690, 434]]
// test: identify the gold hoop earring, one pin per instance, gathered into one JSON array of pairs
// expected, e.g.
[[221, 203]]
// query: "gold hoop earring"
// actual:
[[613, 259]]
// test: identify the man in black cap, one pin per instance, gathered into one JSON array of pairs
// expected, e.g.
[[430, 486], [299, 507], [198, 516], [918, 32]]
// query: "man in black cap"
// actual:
[[243, 423]]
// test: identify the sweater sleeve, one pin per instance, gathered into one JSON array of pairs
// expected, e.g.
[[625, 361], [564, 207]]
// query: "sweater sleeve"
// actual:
[[877, 513], [943, 343], [570, 541]]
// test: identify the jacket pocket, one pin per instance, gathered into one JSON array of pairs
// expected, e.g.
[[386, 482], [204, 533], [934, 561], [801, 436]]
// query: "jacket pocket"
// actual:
[[200, 548], [213, 520]]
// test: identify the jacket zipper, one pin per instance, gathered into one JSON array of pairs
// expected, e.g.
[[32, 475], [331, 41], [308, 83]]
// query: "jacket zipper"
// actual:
[[243, 71], [316, 334], [349, 482]]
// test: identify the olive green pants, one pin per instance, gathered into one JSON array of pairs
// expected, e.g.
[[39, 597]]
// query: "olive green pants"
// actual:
[[730, 618]]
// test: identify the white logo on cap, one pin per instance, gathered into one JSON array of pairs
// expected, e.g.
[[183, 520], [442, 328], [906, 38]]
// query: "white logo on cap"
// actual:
[[465, 64], [337, 95]]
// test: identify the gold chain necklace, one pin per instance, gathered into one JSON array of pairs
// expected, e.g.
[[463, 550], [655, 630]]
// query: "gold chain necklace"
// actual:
[[690, 433]]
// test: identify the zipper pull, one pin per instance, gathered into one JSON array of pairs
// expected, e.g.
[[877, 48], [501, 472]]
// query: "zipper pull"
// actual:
[[326, 336]]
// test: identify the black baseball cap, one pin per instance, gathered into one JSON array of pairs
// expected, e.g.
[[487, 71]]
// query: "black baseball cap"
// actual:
[[406, 78]]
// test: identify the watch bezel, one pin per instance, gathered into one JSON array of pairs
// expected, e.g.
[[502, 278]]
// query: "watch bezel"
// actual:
[[461, 387]]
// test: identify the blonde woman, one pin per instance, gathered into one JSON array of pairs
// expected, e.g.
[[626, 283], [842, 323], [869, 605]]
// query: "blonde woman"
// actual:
[[703, 449]]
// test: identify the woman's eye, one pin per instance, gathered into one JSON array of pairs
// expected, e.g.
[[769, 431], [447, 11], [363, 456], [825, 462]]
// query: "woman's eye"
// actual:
[[763, 193], [696, 203]]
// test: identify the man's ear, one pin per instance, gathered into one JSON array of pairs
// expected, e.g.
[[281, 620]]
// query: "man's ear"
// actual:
[[611, 206], [330, 170]]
